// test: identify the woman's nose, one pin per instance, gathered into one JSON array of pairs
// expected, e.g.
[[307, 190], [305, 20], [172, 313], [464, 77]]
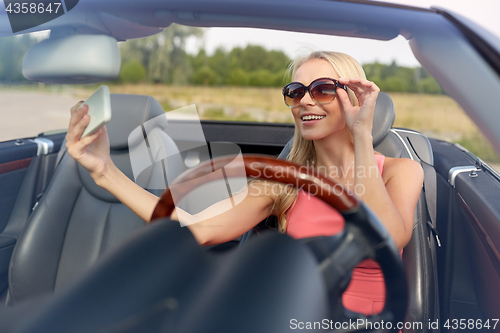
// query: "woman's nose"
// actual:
[[307, 99]]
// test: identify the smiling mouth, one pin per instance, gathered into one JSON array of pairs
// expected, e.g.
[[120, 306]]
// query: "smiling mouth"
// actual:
[[307, 118]]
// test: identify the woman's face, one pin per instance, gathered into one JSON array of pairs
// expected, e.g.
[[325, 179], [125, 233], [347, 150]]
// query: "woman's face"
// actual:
[[333, 120]]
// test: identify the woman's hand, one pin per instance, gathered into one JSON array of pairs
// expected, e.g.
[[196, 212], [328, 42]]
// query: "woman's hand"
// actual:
[[92, 151], [359, 118]]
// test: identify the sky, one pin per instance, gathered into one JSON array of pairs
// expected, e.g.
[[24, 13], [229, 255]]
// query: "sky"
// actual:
[[482, 12]]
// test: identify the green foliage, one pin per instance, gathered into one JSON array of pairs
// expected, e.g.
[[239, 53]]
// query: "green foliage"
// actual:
[[254, 57], [133, 71], [238, 77], [396, 78], [162, 55], [162, 59], [255, 66], [204, 76], [281, 78], [249, 66], [395, 83], [260, 78], [429, 86]]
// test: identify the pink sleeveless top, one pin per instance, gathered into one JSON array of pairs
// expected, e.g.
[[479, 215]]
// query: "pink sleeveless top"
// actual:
[[311, 217]]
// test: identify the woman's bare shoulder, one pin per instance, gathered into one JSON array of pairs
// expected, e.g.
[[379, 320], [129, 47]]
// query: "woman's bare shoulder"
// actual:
[[402, 167]]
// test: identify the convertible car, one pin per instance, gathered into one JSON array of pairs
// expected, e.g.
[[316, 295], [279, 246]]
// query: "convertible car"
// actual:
[[74, 259]]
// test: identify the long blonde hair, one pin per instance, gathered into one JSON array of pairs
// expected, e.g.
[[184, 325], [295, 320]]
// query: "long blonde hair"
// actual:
[[303, 152]]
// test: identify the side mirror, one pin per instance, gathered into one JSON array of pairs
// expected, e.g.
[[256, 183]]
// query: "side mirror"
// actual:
[[76, 59]]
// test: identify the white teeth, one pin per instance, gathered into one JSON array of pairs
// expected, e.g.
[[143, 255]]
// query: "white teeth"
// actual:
[[312, 117]]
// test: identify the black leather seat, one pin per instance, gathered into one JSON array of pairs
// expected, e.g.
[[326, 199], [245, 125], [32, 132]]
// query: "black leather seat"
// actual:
[[76, 221], [418, 254]]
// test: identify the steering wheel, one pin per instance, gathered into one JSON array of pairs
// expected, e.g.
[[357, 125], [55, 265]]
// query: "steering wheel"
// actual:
[[363, 235], [160, 280]]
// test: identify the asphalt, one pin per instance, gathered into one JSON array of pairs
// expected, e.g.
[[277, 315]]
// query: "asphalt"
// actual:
[[26, 114]]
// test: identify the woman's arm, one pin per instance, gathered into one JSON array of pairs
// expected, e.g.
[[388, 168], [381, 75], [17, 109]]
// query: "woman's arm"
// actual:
[[222, 222], [394, 196], [216, 224], [92, 152]]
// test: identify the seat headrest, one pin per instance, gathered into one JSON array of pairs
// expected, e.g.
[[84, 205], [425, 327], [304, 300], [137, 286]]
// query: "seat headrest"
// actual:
[[129, 112], [383, 119], [126, 139]]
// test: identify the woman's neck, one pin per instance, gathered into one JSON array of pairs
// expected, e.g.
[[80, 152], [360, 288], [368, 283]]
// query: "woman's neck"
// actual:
[[335, 153]]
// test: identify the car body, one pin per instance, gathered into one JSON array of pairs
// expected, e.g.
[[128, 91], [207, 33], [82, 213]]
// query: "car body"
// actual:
[[460, 55]]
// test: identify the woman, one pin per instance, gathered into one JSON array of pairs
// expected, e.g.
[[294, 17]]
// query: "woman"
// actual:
[[333, 133]]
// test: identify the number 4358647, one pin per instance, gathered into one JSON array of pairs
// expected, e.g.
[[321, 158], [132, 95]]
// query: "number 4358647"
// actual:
[[32, 8], [469, 324]]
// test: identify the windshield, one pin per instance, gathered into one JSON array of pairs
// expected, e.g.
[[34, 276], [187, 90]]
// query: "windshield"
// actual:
[[229, 75]]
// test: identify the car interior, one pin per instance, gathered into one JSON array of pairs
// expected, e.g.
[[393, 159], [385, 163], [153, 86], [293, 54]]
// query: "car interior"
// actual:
[[39, 258], [48, 255]]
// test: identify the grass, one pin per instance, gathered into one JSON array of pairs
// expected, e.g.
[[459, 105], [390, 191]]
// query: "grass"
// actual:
[[436, 116], [439, 116], [431, 113]]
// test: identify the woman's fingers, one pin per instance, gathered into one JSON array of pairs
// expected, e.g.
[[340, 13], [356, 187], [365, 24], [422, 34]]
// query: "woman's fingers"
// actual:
[[76, 149], [344, 99], [79, 120], [355, 86], [76, 115], [360, 85], [76, 106], [363, 89], [86, 141]]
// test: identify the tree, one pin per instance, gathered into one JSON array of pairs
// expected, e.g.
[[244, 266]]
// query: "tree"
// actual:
[[430, 86], [132, 72], [261, 78], [204, 76], [401, 79], [252, 65], [238, 77], [162, 55]]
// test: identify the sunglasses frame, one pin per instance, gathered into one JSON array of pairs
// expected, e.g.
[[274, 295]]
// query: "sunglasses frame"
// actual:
[[307, 89]]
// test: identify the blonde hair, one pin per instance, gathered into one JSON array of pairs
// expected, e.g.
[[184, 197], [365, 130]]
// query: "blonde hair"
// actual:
[[302, 151]]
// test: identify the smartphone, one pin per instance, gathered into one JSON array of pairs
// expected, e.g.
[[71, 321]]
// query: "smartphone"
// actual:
[[99, 105]]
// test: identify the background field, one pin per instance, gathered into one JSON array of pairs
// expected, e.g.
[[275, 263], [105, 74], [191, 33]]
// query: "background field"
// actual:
[[34, 109], [436, 116]]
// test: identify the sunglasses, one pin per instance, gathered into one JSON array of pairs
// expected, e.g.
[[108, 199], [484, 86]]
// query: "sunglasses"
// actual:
[[322, 90]]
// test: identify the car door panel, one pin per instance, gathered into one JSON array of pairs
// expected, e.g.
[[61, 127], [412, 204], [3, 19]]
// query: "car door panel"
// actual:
[[468, 218], [15, 158], [26, 166], [477, 199]]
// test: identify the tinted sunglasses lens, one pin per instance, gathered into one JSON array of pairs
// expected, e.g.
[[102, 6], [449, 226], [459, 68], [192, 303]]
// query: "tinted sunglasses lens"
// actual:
[[293, 93], [323, 91]]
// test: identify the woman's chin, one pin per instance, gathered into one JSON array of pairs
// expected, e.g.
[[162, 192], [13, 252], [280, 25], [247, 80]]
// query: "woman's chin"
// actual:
[[310, 135]]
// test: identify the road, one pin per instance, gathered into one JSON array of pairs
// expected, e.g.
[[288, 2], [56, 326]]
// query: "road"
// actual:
[[26, 114]]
